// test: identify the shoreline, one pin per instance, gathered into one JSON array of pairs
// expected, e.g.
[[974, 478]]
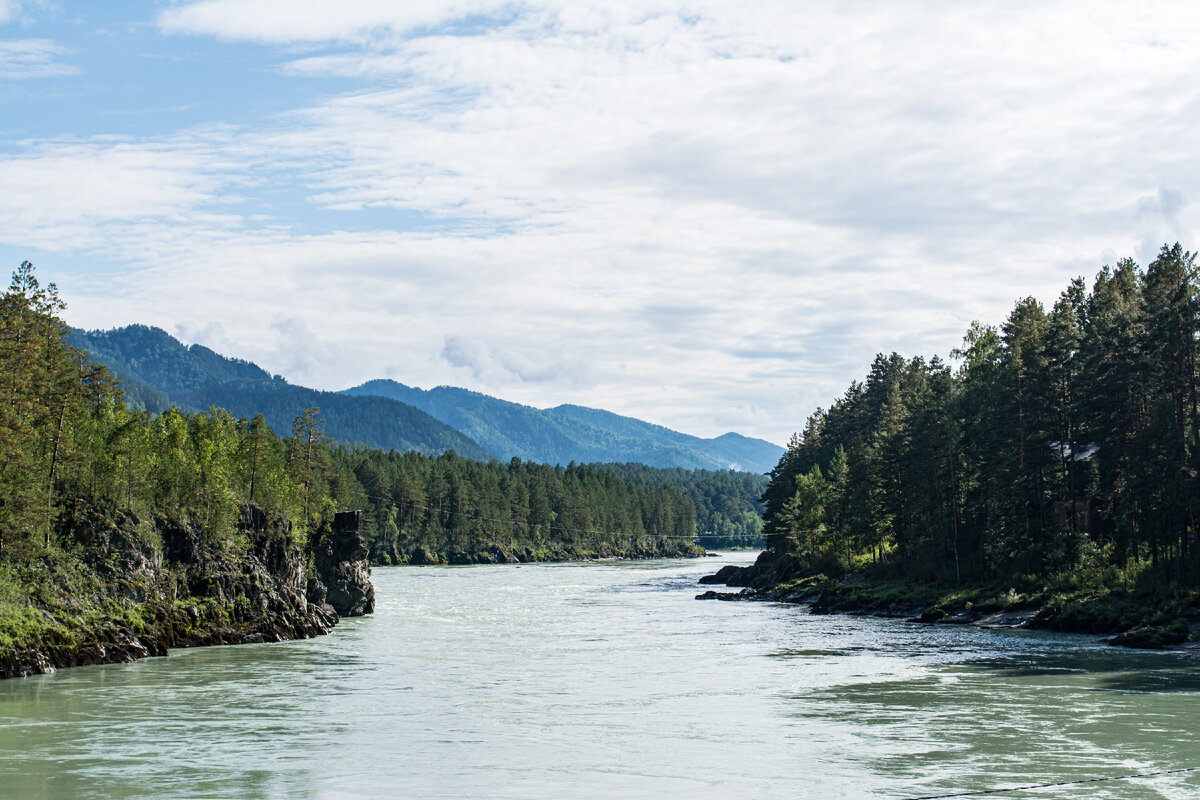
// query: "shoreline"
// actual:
[[198, 624], [1148, 620], [677, 548], [126, 591]]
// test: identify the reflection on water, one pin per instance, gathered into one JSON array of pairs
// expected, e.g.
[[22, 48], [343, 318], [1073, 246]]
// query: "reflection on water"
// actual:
[[606, 680]]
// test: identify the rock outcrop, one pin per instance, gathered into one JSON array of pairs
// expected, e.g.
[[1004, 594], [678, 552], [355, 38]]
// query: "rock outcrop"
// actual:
[[744, 594], [136, 598], [340, 558]]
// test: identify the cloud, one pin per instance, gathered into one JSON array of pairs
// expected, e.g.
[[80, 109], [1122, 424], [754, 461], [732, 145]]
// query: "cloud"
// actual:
[[8, 11], [22, 59], [298, 352], [62, 194], [1166, 202], [210, 335], [1162, 220], [504, 365], [461, 352], [689, 212], [289, 21]]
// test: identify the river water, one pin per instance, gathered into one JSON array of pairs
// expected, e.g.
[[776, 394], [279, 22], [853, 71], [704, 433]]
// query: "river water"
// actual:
[[607, 680]]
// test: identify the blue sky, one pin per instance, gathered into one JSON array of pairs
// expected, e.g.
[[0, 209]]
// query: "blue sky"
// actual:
[[705, 216]]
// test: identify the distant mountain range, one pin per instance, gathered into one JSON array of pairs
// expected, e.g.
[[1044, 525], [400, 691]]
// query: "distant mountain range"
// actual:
[[157, 371], [575, 433]]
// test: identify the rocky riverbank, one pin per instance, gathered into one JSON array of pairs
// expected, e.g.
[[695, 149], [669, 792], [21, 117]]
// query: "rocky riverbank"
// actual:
[[1147, 619], [121, 589]]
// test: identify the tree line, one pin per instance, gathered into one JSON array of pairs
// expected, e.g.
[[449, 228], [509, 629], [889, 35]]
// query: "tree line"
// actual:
[[66, 433], [728, 509], [1064, 442], [426, 509]]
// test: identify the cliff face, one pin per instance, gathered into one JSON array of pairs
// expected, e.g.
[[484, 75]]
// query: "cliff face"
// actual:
[[131, 588], [340, 556]]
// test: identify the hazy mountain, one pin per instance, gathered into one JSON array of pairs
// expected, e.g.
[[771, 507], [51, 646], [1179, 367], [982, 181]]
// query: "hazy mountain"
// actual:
[[575, 433], [157, 371]]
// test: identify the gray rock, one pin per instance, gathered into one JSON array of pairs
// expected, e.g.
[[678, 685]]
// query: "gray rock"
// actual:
[[744, 594], [340, 558]]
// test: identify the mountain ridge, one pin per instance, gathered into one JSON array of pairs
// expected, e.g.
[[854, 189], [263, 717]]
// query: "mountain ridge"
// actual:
[[571, 432], [157, 371]]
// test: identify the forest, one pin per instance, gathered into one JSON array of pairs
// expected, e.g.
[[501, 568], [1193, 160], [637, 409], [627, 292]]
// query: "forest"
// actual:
[[157, 372], [1060, 448], [728, 508], [65, 433], [423, 509]]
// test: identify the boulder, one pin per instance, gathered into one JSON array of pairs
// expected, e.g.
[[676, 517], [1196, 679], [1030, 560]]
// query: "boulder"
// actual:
[[927, 615], [725, 576], [744, 594], [1150, 638]]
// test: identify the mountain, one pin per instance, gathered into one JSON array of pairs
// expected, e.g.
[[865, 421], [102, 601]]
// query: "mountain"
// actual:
[[575, 433], [157, 371]]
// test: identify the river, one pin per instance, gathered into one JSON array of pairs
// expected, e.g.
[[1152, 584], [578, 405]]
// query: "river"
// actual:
[[607, 680]]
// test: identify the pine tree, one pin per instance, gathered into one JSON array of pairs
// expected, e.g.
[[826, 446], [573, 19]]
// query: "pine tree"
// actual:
[[308, 457]]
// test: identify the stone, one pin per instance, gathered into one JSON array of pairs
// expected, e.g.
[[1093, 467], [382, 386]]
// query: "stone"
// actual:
[[724, 575], [744, 594], [1150, 638], [341, 560], [928, 615], [259, 594]]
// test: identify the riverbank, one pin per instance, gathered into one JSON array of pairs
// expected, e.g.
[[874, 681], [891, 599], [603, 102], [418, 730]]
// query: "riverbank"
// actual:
[[647, 547], [117, 589], [1146, 618]]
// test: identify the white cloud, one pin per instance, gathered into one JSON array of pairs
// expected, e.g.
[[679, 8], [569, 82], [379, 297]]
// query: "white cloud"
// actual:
[[66, 195], [527, 364], [22, 59], [287, 21], [299, 352], [209, 334], [706, 216]]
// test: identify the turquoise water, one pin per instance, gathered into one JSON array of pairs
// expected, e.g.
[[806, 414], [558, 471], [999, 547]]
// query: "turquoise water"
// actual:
[[606, 680]]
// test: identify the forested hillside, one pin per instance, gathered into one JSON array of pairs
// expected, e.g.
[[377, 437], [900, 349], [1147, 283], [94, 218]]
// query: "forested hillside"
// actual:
[[123, 531], [123, 534], [450, 509], [162, 373], [728, 511], [573, 433], [68, 434], [158, 372], [1062, 450]]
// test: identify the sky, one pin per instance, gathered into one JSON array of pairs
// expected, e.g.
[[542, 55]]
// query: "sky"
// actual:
[[707, 215]]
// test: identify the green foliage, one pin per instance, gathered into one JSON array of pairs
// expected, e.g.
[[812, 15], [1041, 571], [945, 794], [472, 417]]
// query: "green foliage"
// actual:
[[728, 511], [1063, 451], [158, 373], [46, 390], [454, 510], [65, 432], [73, 436]]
